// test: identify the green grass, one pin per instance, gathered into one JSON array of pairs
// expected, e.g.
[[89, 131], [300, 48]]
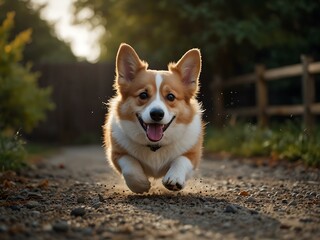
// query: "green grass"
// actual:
[[287, 141], [16, 154], [12, 153]]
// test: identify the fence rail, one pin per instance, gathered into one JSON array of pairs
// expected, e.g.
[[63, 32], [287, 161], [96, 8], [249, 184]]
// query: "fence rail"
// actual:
[[308, 109]]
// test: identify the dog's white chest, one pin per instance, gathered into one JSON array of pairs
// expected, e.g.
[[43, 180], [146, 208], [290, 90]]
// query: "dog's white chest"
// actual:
[[179, 139]]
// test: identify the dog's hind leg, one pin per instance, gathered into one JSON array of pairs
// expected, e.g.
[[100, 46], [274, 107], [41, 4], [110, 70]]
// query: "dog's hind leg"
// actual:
[[180, 170], [133, 174]]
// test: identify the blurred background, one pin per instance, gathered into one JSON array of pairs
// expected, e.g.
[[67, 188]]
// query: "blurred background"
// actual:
[[57, 69]]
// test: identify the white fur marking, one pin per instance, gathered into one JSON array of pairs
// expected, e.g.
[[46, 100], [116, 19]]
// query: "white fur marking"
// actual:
[[157, 103], [159, 80], [180, 170]]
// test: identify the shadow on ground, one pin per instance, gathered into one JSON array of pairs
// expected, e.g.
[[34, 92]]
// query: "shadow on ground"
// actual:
[[214, 215]]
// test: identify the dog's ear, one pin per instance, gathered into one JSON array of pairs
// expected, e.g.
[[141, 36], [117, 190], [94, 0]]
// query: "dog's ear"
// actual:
[[189, 67], [128, 64]]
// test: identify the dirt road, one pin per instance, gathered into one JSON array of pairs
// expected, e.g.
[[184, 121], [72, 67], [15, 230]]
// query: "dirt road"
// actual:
[[75, 195]]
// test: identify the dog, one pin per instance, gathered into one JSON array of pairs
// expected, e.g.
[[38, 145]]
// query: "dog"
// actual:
[[154, 125]]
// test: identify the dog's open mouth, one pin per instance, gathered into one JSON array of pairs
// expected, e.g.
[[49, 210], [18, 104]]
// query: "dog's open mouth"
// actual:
[[154, 131]]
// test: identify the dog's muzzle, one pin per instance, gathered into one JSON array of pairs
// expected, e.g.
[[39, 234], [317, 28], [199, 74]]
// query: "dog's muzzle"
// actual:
[[154, 131]]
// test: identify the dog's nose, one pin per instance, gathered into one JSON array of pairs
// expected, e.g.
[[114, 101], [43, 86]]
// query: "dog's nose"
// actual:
[[156, 114]]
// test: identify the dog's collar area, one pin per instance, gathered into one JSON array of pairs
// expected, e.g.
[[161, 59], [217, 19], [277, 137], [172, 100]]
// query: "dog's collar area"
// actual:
[[154, 147]]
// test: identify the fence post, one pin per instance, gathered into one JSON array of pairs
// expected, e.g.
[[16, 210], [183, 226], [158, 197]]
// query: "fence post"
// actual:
[[218, 102], [308, 93], [261, 95]]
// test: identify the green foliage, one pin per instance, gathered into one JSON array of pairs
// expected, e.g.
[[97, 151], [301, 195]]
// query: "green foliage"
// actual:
[[45, 45], [12, 152], [232, 34], [287, 142], [22, 103]]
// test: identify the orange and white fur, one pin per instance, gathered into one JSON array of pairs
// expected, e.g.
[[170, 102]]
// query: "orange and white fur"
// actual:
[[153, 128]]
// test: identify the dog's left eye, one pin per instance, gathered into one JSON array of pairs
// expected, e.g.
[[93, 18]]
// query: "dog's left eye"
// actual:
[[143, 95], [171, 97]]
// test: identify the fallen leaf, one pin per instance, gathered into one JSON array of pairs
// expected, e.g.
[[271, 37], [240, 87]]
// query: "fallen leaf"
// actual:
[[8, 184], [244, 193], [61, 166], [18, 228], [44, 183]]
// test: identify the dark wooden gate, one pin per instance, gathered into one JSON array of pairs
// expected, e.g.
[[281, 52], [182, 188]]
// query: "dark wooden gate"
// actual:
[[79, 93]]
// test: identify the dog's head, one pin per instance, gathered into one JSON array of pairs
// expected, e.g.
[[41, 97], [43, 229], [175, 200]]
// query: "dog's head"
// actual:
[[155, 101]]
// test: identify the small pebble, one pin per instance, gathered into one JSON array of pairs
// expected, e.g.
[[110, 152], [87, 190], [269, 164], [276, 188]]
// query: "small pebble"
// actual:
[[60, 226], [230, 209], [251, 199], [226, 225], [35, 213], [101, 199], [87, 231], [78, 212], [185, 228], [32, 204], [34, 223], [47, 227], [34, 195], [96, 205], [306, 220], [15, 208], [292, 203], [3, 228], [81, 199]]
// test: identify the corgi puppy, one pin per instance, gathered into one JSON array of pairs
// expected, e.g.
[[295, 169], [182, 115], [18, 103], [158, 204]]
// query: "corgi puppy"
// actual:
[[154, 125]]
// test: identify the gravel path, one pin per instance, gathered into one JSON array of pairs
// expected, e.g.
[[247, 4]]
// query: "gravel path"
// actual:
[[75, 195]]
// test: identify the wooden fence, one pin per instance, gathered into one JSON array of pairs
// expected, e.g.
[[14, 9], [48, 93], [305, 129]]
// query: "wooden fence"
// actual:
[[79, 93], [81, 89], [308, 109]]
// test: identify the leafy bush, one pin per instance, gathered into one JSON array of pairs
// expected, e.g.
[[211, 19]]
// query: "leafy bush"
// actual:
[[22, 103], [286, 142]]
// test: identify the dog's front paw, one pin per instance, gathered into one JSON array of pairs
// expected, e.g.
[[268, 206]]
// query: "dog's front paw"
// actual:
[[137, 184], [173, 183]]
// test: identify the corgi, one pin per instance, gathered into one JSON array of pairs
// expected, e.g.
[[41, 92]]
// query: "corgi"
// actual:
[[154, 126]]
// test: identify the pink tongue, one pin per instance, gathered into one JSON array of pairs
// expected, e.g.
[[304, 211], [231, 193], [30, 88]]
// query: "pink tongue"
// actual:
[[155, 132]]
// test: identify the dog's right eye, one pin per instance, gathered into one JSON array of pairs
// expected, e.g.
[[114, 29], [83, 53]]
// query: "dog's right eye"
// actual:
[[143, 95]]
